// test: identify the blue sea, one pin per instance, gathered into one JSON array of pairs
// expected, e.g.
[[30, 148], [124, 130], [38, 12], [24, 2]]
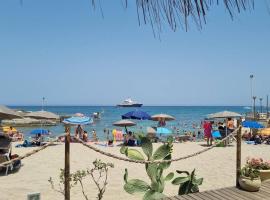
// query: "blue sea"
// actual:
[[186, 116]]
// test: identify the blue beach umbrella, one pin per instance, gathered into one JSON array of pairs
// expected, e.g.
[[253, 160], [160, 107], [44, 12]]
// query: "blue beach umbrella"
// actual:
[[252, 124], [216, 134], [136, 114], [39, 131], [163, 131], [78, 120]]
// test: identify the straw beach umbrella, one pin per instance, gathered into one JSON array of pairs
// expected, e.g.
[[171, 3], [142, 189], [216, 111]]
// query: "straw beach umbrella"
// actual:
[[151, 130], [43, 115], [7, 113], [124, 123], [164, 117], [224, 114]]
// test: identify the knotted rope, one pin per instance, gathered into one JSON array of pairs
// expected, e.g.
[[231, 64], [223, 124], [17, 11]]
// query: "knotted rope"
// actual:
[[4, 164], [154, 161]]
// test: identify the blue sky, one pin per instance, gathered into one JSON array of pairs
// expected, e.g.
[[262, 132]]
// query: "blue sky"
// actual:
[[67, 52]]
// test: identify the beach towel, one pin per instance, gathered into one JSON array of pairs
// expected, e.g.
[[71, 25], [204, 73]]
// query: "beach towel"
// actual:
[[250, 142], [104, 145], [24, 144]]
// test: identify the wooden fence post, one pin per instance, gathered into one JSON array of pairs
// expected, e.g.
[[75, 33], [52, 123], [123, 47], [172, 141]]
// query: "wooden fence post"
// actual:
[[238, 155], [67, 162]]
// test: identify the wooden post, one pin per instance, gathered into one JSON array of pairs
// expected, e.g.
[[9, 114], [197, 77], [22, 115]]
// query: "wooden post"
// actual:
[[67, 162], [238, 155]]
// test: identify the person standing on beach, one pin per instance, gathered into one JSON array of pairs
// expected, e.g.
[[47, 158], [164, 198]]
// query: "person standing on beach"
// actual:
[[94, 135], [108, 134], [230, 125], [208, 132], [79, 131]]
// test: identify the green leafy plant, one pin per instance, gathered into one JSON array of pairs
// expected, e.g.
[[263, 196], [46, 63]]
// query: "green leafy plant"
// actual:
[[155, 189], [188, 184], [250, 172], [219, 143], [99, 174], [139, 136]]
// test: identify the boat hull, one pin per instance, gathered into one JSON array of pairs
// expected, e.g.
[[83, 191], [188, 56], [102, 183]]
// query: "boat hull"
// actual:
[[131, 105]]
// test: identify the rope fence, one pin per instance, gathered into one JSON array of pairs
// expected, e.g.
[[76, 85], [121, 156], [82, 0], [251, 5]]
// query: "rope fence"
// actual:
[[5, 164], [156, 161]]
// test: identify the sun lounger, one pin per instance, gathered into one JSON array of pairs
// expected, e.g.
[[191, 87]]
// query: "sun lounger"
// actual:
[[5, 154], [183, 138], [15, 165]]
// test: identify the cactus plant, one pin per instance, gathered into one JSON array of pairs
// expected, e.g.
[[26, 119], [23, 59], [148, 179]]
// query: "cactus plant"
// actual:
[[155, 189], [188, 184]]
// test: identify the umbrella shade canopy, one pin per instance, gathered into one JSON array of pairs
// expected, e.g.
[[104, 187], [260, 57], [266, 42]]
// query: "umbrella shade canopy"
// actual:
[[224, 114], [136, 114], [78, 115], [252, 124], [7, 113], [124, 123], [265, 131], [42, 115], [163, 131], [151, 130], [165, 117], [39, 131], [78, 120], [216, 134]]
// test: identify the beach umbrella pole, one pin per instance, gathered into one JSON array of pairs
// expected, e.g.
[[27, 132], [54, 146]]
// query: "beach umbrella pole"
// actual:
[[67, 162]]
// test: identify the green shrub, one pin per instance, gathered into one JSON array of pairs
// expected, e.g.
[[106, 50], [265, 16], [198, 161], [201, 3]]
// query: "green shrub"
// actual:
[[155, 189], [187, 184]]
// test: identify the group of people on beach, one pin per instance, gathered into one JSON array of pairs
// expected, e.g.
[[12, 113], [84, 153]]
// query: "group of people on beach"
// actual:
[[224, 128], [14, 134], [251, 137], [82, 134]]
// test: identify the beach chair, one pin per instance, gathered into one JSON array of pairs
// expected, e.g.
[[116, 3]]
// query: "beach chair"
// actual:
[[4, 158], [5, 154]]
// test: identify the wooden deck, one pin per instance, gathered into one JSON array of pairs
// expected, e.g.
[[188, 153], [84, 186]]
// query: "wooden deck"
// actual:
[[230, 193]]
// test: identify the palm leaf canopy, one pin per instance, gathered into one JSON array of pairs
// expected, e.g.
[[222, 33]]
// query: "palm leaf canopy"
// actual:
[[178, 12]]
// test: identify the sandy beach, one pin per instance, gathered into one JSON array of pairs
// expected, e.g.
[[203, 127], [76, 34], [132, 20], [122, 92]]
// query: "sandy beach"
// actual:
[[216, 166]]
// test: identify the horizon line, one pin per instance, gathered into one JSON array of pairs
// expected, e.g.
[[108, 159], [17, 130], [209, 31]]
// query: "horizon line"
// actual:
[[109, 105]]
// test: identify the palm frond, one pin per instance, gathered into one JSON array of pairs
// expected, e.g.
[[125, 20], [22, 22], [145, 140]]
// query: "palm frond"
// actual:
[[178, 12]]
